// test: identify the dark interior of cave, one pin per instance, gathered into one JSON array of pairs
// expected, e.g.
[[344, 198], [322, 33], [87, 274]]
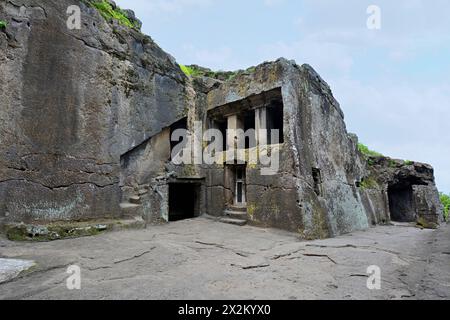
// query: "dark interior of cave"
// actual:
[[183, 201], [401, 203]]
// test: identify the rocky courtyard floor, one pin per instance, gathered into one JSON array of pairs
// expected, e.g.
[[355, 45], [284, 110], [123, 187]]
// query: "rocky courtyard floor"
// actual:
[[204, 259]]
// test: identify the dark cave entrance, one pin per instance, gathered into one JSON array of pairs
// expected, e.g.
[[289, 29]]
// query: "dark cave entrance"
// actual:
[[183, 201], [401, 203]]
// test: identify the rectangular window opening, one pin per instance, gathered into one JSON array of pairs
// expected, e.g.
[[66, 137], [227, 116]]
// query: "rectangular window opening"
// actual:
[[222, 126], [250, 124], [275, 121]]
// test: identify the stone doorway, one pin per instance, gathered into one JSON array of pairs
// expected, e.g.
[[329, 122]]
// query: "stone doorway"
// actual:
[[401, 203], [240, 186], [184, 199], [236, 185]]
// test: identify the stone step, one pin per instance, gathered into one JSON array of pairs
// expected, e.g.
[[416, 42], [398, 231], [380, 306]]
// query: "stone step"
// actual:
[[237, 208], [235, 214], [131, 210], [235, 222], [135, 200]]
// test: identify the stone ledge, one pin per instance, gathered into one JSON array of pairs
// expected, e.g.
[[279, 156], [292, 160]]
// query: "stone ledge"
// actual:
[[68, 230]]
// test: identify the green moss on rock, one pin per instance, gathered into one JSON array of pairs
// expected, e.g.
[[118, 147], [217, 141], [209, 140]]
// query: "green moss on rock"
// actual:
[[110, 12], [51, 232], [423, 223], [17, 233], [367, 152], [369, 183], [194, 71]]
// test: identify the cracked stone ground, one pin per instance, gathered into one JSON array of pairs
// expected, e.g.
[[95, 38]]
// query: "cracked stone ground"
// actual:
[[204, 259]]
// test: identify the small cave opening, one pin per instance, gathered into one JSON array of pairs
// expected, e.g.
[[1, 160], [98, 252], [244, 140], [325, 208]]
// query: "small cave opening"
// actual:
[[401, 203], [183, 201], [317, 178]]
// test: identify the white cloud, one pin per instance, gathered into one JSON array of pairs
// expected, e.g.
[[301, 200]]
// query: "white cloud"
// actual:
[[273, 3]]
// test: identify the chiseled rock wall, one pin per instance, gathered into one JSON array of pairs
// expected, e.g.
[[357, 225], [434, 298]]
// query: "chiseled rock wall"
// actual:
[[315, 137], [353, 189], [71, 103], [74, 103]]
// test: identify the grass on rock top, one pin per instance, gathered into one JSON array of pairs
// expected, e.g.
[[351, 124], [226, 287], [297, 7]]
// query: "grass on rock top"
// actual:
[[189, 71], [108, 12], [367, 152], [194, 71]]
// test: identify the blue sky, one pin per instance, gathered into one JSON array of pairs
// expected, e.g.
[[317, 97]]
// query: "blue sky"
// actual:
[[393, 83]]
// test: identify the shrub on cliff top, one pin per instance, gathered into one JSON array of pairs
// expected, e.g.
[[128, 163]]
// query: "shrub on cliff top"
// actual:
[[190, 71], [3, 24], [445, 199], [108, 12], [197, 71], [367, 152]]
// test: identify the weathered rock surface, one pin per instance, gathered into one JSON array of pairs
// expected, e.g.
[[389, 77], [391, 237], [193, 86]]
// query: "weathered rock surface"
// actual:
[[315, 137], [11, 268], [237, 263], [72, 103]]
